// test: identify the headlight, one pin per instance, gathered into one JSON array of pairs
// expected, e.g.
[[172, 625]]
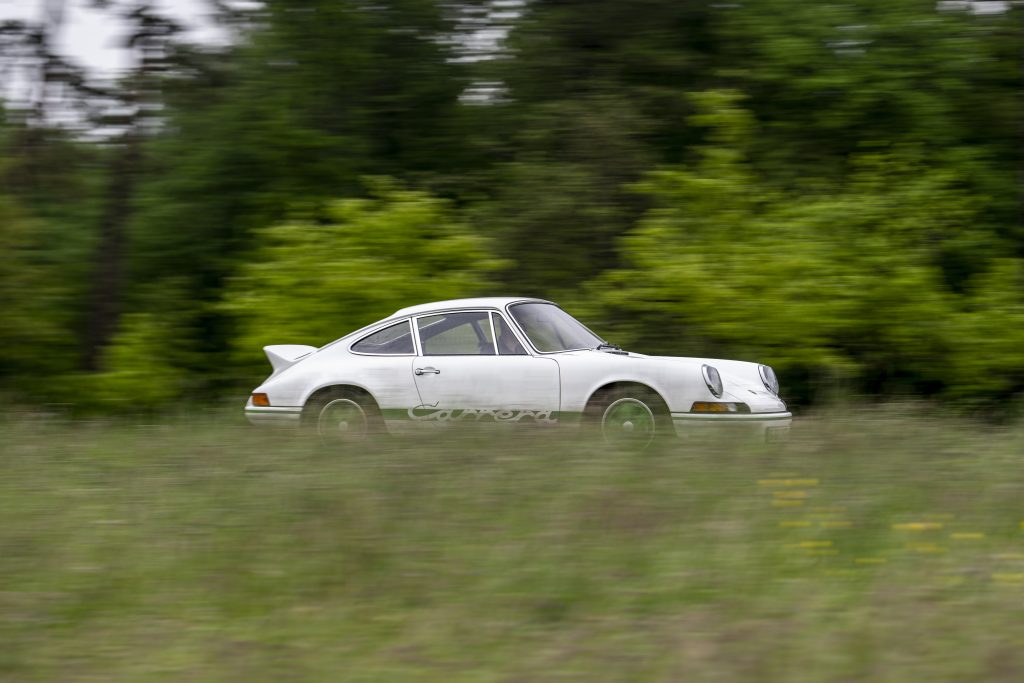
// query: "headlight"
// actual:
[[713, 380], [771, 382]]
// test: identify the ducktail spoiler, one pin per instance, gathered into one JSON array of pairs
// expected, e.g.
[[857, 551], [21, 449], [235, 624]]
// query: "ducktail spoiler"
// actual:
[[286, 355]]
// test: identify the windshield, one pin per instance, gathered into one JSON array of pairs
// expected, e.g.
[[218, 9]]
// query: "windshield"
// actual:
[[552, 329]]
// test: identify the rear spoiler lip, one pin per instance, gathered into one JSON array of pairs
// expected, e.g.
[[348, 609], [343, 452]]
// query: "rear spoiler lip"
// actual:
[[282, 356]]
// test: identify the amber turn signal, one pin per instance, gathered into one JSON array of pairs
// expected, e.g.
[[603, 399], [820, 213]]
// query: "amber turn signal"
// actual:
[[709, 407], [716, 407], [261, 400]]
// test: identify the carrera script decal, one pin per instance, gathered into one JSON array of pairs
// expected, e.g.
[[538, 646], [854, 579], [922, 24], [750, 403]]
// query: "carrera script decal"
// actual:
[[434, 414]]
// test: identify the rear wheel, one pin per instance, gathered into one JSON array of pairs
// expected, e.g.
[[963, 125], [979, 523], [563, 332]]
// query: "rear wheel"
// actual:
[[342, 417]]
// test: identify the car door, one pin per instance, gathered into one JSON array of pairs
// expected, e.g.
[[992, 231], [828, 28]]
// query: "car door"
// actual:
[[462, 374], [386, 357]]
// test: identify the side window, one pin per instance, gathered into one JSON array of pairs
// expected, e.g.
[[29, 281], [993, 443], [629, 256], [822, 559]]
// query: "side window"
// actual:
[[395, 340], [508, 344], [456, 334]]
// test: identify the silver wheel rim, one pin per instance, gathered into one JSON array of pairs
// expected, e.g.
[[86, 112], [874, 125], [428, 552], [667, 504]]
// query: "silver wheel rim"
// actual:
[[629, 422], [342, 420]]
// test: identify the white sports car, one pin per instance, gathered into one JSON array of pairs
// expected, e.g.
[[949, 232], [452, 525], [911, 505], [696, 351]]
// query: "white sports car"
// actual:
[[505, 360]]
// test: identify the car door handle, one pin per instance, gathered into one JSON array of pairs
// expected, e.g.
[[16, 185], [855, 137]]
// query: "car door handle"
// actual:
[[427, 371]]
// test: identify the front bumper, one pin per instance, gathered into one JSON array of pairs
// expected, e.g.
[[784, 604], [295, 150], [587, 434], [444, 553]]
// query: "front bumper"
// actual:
[[763, 426], [273, 416]]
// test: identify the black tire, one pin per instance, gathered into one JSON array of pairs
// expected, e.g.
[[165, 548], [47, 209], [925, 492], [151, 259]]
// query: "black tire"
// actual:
[[343, 417], [629, 417]]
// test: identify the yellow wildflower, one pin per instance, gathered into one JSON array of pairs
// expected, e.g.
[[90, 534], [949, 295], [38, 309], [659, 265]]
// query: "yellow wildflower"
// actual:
[[917, 526]]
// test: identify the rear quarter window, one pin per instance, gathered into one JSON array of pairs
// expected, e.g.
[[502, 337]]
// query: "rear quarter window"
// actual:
[[394, 340]]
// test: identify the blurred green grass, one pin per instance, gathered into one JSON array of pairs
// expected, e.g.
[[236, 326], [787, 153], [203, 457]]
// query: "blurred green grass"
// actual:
[[874, 545]]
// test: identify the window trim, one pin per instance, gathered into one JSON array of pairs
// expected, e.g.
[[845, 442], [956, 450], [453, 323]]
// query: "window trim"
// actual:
[[386, 324], [516, 332], [513, 325], [529, 341], [494, 337], [450, 311], [503, 311]]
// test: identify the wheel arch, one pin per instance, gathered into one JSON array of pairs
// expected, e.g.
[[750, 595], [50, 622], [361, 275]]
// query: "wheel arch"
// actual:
[[338, 385], [624, 385], [327, 389]]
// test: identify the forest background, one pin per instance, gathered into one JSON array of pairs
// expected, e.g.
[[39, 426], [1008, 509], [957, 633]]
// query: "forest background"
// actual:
[[833, 188]]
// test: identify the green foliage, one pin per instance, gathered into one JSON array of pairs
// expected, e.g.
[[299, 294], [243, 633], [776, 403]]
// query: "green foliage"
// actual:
[[845, 283], [37, 304], [311, 280], [316, 95], [138, 372], [827, 78], [987, 359], [834, 188], [594, 97]]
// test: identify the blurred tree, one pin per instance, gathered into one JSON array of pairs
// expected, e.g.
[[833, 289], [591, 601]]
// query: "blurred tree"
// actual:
[[827, 80], [987, 363], [137, 100], [311, 280], [139, 372], [37, 302], [47, 244], [840, 282], [316, 94], [592, 95], [50, 154], [840, 157]]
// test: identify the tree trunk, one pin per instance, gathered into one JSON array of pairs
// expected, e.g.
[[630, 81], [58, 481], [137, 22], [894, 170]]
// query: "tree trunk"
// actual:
[[107, 295]]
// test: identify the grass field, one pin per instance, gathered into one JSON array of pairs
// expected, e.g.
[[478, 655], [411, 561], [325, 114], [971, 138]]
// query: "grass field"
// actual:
[[866, 548]]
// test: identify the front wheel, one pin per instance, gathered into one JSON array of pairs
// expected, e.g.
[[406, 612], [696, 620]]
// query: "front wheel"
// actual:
[[628, 419]]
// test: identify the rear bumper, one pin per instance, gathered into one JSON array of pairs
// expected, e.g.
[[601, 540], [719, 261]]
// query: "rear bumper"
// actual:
[[764, 426], [274, 416]]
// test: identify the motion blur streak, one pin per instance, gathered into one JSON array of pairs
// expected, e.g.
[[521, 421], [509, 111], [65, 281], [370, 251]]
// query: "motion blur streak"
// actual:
[[835, 189], [195, 550]]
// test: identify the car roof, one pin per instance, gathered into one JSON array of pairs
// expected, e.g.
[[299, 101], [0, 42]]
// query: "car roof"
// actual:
[[478, 302]]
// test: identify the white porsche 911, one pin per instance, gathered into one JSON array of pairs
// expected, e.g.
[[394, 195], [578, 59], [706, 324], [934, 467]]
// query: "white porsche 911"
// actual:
[[505, 360]]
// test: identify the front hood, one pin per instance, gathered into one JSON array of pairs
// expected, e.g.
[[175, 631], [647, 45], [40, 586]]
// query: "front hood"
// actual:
[[741, 381]]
